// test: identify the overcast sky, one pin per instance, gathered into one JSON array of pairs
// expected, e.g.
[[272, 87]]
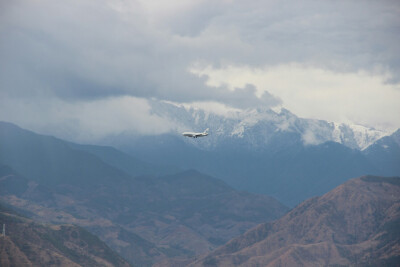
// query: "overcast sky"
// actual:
[[88, 66]]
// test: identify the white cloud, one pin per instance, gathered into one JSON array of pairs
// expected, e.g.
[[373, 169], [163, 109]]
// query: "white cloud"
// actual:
[[352, 97], [211, 107], [85, 121], [309, 138]]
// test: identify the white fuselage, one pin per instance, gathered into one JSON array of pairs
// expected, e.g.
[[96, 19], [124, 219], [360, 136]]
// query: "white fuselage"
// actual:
[[195, 135]]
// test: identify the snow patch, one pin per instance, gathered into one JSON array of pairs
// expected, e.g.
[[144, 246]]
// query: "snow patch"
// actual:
[[365, 136], [283, 126], [238, 130], [337, 134], [257, 126], [309, 138]]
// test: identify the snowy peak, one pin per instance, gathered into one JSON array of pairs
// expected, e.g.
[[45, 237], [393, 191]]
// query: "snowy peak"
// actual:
[[356, 136], [258, 127]]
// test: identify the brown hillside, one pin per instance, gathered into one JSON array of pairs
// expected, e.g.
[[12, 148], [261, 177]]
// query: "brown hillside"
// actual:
[[146, 219], [355, 224], [28, 243]]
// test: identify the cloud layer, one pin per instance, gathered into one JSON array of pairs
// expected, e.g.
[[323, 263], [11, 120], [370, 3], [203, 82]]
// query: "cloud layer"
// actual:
[[80, 51], [86, 121], [311, 92]]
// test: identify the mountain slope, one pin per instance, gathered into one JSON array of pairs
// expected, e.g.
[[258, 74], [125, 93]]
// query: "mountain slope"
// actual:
[[44, 204], [51, 161], [267, 152], [287, 170], [125, 162], [144, 218], [148, 219], [354, 224], [28, 243], [384, 154]]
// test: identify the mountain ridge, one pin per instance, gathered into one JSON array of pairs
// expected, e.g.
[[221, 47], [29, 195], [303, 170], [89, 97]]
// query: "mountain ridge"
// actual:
[[257, 126], [267, 152], [145, 218], [354, 224]]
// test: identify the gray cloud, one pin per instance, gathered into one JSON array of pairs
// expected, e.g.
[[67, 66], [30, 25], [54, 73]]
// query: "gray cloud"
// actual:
[[245, 97], [84, 50]]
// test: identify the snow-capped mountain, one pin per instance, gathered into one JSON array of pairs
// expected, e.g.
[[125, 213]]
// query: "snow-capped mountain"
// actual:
[[258, 127], [265, 151]]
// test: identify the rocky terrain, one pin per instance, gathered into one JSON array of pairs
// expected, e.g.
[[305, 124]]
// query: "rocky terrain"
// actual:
[[29, 243], [356, 224]]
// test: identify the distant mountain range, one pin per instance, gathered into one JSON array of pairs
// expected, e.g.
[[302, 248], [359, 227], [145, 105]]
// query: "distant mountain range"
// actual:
[[159, 215], [29, 243], [268, 152], [356, 224], [256, 129], [143, 211]]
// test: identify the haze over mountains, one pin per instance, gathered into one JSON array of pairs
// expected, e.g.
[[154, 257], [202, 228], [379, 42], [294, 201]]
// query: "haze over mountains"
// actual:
[[268, 152], [144, 205], [155, 214], [145, 218], [95, 96]]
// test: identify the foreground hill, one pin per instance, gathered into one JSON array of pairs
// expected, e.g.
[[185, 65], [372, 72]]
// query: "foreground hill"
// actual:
[[28, 243], [147, 219], [356, 224]]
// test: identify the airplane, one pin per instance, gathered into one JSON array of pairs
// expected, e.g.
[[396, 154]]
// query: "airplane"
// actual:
[[195, 135]]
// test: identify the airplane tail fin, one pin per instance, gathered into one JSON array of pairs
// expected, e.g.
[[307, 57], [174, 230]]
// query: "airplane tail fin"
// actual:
[[206, 130]]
